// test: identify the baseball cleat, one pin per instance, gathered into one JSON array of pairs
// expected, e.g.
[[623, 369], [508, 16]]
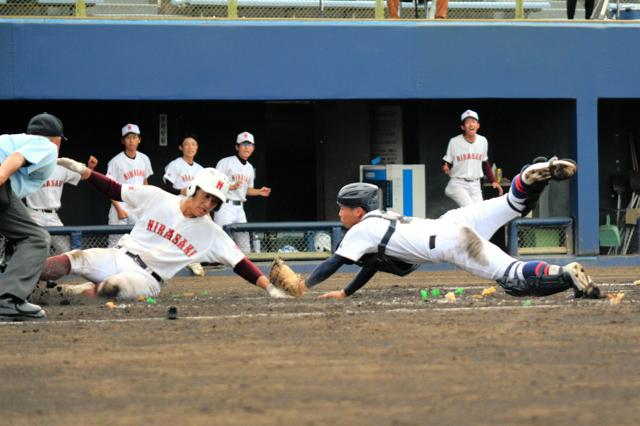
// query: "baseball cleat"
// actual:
[[109, 290], [555, 169], [582, 284], [19, 310]]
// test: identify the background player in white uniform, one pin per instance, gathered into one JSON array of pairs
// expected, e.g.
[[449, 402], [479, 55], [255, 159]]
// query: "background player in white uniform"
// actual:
[[130, 167], [241, 174], [43, 204], [464, 162], [459, 237], [172, 231], [179, 174]]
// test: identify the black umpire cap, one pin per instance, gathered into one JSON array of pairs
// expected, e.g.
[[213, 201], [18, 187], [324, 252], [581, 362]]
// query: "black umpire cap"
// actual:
[[45, 125]]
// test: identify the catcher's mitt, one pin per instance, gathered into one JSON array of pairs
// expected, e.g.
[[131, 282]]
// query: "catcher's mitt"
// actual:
[[282, 276]]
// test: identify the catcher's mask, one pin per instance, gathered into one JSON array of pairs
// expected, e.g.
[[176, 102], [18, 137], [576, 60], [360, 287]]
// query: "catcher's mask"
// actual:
[[360, 194], [212, 182]]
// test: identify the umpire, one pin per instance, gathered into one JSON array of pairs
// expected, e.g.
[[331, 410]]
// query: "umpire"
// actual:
[[27, 161]]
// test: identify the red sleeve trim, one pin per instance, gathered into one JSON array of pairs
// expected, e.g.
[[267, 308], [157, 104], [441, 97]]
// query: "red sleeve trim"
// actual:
[[248, 270]]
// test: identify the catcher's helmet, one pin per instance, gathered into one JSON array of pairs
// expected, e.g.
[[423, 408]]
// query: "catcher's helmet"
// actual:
[[360, 194], [212, 182]]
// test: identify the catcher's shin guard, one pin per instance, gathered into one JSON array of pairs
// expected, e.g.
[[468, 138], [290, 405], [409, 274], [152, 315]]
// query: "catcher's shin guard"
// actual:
[[559, 279]]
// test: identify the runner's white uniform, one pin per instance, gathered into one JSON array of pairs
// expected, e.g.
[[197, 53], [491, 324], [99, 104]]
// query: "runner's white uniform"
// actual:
[[466, 170], [180, 173], [165, 240], [232, 211], [127, 171], [453, 243], [43, 204]]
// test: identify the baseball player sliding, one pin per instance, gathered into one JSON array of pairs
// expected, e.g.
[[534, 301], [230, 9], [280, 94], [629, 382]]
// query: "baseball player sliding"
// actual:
[[43, 204], [171, 232], [241, 173], [465, 161], [383, 241]]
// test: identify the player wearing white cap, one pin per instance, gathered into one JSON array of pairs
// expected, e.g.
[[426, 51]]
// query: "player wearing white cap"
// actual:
[[43, 204], [179, 174], [384, 241], [465, 161], [130, 167], [241, 174], [171, 232]]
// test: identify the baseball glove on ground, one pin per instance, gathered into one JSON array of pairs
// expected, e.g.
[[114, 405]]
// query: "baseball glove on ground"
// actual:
[[283, 277]]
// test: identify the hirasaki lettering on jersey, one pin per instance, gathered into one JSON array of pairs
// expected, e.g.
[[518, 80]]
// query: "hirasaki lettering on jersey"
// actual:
[[133, 173], [171, 235], [242, 179], [186, 178], [470, 156], [53, 182]]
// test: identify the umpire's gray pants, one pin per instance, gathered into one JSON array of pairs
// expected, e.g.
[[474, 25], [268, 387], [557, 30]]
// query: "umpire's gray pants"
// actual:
[[31, 247]]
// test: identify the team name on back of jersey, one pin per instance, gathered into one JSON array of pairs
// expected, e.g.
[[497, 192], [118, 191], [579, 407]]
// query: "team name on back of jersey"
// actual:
[[133, 173], [53, 182], [186, 178], [171, 235], [469, 156]]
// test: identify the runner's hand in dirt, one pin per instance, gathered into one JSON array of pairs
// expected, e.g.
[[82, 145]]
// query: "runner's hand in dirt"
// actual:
[[338, 294]]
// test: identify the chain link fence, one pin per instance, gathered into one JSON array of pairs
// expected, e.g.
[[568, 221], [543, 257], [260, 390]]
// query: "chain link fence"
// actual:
[[287, 9]]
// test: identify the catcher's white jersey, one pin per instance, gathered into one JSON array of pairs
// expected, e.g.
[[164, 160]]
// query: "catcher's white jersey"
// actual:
[[49, 195], [452, 238], [168, 241], [180, 173], [237, 172], [466, 158]]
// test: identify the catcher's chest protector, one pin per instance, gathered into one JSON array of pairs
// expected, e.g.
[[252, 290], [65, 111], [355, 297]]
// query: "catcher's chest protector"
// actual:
[[382, 262]]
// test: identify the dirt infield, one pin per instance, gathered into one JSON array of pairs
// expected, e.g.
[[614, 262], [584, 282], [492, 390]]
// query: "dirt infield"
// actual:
[[383, 357]]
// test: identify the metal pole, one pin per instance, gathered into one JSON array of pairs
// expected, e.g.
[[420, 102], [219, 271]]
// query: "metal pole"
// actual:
[[519, 9], [81, 9], [379, 9], [232, 9]]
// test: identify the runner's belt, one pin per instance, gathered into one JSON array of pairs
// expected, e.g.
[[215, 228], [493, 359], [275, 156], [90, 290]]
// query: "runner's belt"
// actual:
[[46, 210], [234, 202], [136, 258], [467, 179]]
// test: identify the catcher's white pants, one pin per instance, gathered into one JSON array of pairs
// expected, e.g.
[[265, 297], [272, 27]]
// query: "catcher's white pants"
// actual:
[[59, 243], [100, 264], [228, 214], [462, 237], [464, 192], [114, 220]]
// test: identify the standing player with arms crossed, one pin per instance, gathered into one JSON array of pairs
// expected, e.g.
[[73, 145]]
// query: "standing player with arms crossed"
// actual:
[[179, 173], [130, 167], [384, 241], [464, 162], [43, 204], [241, 173], [172, 231]]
